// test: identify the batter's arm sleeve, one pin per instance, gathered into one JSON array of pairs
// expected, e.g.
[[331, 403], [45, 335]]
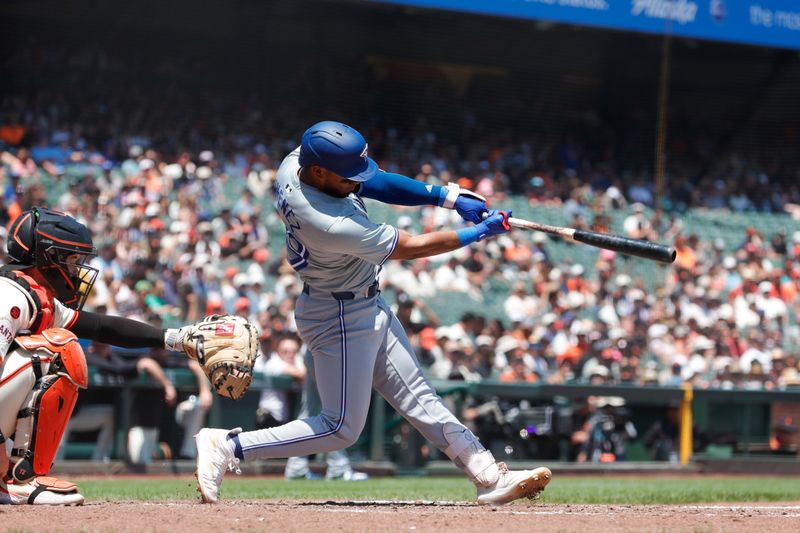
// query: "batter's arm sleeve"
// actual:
[[117, 331], [396, 189]]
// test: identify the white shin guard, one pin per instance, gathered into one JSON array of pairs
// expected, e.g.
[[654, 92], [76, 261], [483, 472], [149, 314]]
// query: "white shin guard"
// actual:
[[469, 454]]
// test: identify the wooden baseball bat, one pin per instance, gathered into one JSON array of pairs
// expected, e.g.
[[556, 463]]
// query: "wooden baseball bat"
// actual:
[[623, 245]]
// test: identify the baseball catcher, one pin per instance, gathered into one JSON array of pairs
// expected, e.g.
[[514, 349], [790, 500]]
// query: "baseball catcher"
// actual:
[[42, 366]]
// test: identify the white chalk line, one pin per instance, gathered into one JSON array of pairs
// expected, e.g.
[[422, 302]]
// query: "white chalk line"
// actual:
[[776, 511], [743, 507]]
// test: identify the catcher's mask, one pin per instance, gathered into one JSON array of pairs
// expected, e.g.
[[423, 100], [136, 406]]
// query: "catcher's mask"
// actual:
[[58, 247]]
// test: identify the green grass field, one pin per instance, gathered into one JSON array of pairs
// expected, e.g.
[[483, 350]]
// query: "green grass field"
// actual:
[[566, 489]]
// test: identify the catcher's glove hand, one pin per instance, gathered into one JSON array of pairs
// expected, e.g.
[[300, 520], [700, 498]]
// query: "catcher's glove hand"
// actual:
[[226, 346]]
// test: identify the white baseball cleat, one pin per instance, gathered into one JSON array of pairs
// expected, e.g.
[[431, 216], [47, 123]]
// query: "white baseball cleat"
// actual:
[[214, 458], [349, 475], [42, 490], [514, 484]]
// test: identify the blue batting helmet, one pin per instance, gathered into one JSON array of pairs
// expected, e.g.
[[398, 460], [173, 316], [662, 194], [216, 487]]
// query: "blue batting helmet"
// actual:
[[338, 148]]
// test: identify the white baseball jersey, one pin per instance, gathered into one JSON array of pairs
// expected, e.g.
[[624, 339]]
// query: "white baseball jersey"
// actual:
[[17, 313], [331, 242]]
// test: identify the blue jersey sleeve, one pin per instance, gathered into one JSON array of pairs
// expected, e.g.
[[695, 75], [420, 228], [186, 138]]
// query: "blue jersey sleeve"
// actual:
[[396, 189]]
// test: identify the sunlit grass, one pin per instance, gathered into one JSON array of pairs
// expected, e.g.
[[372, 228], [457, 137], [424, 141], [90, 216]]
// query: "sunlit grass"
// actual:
[[616, 490]]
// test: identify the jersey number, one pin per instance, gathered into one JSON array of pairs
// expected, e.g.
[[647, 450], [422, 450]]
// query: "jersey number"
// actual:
[[296, 252]]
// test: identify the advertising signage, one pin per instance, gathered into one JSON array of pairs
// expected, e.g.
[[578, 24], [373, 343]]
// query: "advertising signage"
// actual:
[[774, 23]]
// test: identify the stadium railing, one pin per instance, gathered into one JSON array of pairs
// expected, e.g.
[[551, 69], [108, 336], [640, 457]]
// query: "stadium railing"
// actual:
[[745, 414]]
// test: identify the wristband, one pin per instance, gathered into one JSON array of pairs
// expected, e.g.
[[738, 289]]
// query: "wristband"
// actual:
[[468, 235], [448, 195], [173, 340]]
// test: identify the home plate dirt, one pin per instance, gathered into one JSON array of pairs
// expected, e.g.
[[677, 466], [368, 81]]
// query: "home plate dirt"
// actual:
[[284, 515]]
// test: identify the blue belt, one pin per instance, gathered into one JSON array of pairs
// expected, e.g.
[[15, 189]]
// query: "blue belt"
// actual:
[[370, 292]]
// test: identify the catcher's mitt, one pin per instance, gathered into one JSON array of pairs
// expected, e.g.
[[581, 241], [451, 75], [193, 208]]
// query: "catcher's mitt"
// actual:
[[226, 347]]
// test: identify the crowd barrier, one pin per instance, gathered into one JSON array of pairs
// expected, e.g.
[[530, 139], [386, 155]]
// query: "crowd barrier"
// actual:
[[747, 418]]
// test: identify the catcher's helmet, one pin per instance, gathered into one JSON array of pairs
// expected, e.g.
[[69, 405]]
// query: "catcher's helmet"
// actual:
[[339, 148], [58, 246]]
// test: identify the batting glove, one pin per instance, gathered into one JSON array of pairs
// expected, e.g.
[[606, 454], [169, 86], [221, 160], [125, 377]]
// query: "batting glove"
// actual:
[[469, 205], [495, 223]]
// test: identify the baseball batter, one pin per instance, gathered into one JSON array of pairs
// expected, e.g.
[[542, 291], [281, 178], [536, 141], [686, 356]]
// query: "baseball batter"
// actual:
[[356, 341]]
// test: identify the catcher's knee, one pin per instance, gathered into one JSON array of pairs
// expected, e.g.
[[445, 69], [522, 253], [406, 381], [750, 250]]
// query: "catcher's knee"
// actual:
[[60, 368]]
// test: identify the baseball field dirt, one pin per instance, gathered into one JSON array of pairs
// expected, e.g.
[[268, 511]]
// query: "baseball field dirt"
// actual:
[[335, 516]]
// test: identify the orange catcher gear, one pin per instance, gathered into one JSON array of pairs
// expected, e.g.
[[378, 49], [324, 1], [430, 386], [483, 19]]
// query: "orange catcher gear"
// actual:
[[60, 371]]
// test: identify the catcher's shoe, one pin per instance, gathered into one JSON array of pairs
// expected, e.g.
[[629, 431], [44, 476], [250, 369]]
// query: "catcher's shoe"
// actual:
[[214, 457], [514, 484], [42, 490]]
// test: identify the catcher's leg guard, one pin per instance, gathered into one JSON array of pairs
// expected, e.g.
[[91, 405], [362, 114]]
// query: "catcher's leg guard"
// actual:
[[44, 417]]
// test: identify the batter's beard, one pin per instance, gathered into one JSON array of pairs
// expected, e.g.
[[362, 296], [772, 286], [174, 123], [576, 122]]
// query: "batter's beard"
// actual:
[[336, 193]]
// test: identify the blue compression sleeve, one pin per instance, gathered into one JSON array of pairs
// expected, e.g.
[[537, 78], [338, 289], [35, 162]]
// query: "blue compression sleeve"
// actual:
[[396, 189]]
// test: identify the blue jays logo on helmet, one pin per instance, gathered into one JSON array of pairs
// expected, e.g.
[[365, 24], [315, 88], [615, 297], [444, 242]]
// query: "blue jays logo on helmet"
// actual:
[[338, 148]]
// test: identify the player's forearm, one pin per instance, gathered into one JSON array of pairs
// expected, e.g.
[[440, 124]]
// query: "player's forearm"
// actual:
[[396, 189], [117, 331], [425, 245]]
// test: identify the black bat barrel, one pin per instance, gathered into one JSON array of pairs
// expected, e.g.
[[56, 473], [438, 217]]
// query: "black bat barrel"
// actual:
[[624, 245]]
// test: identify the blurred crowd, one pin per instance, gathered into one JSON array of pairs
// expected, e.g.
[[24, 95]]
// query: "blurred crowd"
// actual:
[[179, 199], [721, 321], [717, 319]]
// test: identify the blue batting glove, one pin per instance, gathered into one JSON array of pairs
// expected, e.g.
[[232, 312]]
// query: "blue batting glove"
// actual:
[[471, 208], [496, 223]]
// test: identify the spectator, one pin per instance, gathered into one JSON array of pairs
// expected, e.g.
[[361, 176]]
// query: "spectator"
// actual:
[[286, 360], [517, 372], [190, 414], [637, 225]]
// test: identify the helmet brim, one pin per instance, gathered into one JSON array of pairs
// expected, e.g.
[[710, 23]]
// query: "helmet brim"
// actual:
[[367, 174]]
